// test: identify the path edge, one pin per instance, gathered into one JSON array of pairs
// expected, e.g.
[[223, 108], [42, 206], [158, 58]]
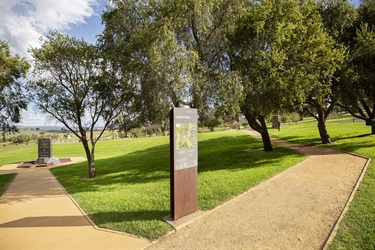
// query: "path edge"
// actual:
[[87, 217], [336, 226]]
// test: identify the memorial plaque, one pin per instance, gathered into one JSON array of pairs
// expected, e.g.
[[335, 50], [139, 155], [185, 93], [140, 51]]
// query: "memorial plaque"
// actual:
[[184, 162], [45, 148]]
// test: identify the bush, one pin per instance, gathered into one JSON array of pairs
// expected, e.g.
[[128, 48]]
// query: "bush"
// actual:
[[21, 139], [137, 132], [211, 123], [244, 123], [293, 117], [235, 125], [34, 137]]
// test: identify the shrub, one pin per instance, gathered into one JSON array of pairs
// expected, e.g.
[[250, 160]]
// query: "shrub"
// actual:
[[235, 125], [211, 123], [21, 139]]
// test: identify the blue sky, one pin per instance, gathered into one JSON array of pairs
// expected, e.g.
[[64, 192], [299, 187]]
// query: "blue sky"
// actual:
[[23, 22]]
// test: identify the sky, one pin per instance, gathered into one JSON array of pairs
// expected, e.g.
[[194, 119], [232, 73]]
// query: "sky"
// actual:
[[23, 22]]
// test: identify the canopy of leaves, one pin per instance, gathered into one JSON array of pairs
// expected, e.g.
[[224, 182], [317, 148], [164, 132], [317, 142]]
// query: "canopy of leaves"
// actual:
[[176, 50], [12, 98], [282, 52], [74, 85]]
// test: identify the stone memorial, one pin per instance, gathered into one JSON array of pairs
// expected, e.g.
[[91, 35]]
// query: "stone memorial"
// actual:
[[45, 152]]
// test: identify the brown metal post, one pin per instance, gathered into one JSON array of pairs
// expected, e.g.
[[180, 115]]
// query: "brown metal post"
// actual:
[[184, 181], [171, 153]]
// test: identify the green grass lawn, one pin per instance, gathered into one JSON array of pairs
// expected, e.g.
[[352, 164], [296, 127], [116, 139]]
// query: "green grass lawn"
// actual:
[[12, 153], [5, 180], [357, 230], [131, 191]]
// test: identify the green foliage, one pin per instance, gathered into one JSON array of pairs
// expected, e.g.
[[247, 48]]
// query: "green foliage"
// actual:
[[290, 117], [367, 12], [12, 98], [364, 60], [235, 125], [21, 139], [355, 89], [211, 123], [281, 53], [175, 51], [76, 86], [137, 132], [339, 19], [280, 65]]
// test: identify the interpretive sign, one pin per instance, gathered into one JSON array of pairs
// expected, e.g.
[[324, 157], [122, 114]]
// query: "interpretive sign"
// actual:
[[44, 148], [184, 162], [185, 138]]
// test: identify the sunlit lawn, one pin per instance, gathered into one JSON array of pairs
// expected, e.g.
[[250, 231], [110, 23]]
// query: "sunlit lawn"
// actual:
[[131, 191], [357, 231]]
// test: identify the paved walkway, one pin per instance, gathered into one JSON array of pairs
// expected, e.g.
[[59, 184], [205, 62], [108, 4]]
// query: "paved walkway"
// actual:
[[296, 209], [36, 213]]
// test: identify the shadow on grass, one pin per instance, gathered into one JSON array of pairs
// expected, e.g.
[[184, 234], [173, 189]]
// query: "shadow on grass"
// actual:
[[152, 164], [140, 181], [356, 136], [130, 216], [313, 141]]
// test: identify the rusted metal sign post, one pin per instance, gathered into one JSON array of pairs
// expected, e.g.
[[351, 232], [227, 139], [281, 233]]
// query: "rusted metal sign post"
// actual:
[[184, 162]]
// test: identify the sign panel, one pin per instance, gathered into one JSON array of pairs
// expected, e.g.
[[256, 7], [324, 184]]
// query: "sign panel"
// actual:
[[45, 148], [184, 162], [185, 138]]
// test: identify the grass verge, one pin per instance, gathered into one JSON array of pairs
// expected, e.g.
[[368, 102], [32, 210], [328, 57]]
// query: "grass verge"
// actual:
[[5, 180], [357, 229]]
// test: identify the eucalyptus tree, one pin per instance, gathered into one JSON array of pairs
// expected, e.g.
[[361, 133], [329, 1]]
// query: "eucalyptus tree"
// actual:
[[176, 49], [357, 90], [12, 98], [281, 53], [74, 84], [339, 18]]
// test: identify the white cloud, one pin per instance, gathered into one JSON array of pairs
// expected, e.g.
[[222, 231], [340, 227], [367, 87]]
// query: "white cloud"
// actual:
[[23, 22], [32, 118]]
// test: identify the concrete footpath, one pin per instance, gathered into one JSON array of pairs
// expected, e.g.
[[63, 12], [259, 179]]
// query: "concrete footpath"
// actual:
[[36, 213]]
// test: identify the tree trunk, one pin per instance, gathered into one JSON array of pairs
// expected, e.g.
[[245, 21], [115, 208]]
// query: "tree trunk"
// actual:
[[90, 157], [373, 128], [324, 136], [267, 145], [261, 128], [92, 170]]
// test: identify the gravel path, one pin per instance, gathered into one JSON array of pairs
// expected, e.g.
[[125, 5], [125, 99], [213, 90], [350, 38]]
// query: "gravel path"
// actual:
[[296, 209]]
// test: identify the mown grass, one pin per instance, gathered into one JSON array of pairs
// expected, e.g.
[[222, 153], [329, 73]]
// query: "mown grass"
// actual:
[[5, 180], [12, 153], [131, 191], [357, 230]]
